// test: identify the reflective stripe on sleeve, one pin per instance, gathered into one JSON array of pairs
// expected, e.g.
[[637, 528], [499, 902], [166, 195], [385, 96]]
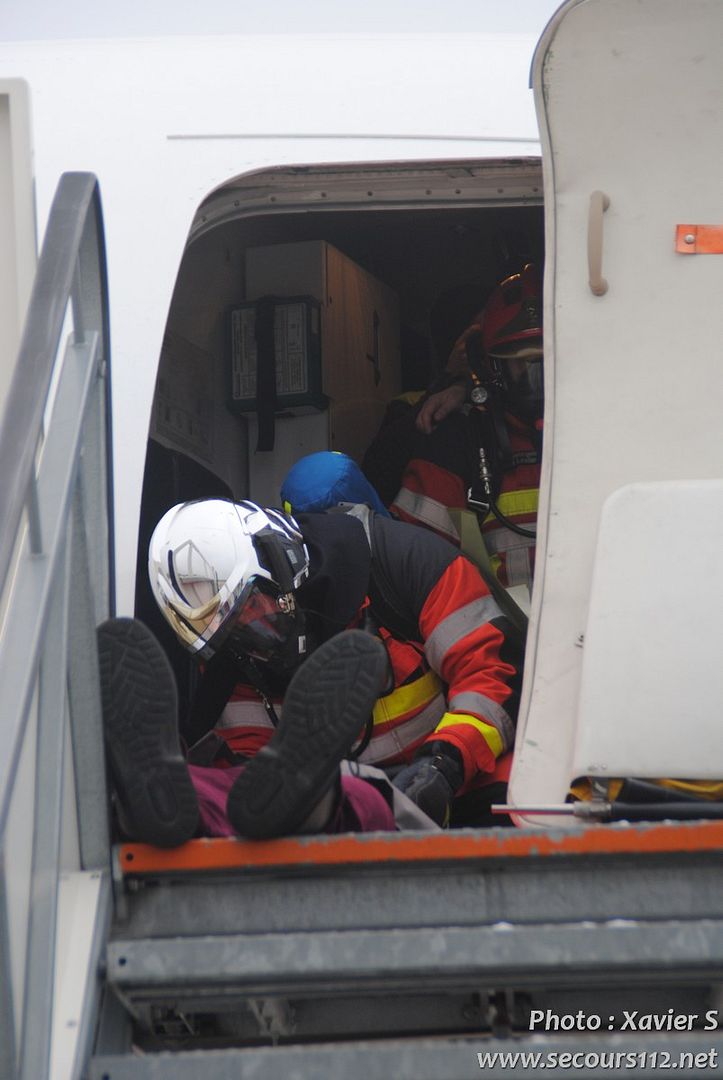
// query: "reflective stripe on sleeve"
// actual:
[[458, 625], [515, 503], [430, 511], [495, 715], [490, 734]]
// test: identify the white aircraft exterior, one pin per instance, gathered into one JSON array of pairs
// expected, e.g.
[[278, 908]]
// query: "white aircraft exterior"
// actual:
[[162, 123], [168, 123], [196, 140]]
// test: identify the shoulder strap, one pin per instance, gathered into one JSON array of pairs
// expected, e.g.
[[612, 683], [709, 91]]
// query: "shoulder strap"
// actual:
[[382, 594]]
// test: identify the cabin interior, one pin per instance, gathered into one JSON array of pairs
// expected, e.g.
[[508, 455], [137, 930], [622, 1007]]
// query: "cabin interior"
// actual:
[[393, 261]]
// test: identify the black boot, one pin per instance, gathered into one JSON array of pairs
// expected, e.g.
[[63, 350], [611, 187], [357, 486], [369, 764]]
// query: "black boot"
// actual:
[[325, 709], [157, 799]]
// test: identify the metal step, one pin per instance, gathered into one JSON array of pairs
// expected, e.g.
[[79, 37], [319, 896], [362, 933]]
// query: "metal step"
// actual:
[[521, 891], [429, 960], [418, 949], [452, 957], [430, 1059]]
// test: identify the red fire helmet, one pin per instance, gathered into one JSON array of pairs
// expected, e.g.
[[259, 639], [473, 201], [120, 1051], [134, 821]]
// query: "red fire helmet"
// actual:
[[512, 320]]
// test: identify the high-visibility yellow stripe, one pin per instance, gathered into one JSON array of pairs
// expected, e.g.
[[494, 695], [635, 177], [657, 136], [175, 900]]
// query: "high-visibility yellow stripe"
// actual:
[[490, 734], [483, 706], [405, 698], [511, 503]]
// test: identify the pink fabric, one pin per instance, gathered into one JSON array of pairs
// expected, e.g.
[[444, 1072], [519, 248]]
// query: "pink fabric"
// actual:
[[212, 788], [362, 807]]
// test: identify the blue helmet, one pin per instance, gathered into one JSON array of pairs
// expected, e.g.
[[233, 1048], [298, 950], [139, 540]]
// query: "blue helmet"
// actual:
[[325, 479]]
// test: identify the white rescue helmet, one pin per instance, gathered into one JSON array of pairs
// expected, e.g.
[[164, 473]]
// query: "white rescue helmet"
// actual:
[[224, 573]]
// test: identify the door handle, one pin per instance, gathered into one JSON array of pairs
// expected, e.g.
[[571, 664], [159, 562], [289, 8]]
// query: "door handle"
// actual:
[[599, 203]]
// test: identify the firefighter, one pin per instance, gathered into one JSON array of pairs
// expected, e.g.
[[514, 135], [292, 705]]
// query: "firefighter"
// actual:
[[426, 685], [477, 439], [326, 479]]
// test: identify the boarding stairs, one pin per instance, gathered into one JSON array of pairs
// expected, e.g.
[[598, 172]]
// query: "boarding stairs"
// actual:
[[373, 957]]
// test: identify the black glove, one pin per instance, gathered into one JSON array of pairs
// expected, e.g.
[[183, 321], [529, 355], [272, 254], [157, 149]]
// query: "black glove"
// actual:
[[432, 779]]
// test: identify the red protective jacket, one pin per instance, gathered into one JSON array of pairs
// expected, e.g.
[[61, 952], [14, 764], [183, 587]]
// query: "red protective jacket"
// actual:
[[455, 660], [442, 468]]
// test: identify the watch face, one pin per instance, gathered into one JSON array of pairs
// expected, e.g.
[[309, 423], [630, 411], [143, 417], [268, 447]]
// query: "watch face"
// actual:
[[479, 395]]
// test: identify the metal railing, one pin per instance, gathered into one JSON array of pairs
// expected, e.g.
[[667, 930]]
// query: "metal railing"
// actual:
[[55, 586]]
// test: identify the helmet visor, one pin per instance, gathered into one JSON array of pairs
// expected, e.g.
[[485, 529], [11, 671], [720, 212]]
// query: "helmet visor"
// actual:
[[524, 386], [266, 624]]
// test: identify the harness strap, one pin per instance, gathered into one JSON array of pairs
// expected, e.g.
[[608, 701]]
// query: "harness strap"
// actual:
[[212, 693], [265, 372]]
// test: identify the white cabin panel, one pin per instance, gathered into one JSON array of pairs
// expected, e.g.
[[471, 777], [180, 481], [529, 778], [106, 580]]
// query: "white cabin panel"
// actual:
[[652, 677], [630, 103]]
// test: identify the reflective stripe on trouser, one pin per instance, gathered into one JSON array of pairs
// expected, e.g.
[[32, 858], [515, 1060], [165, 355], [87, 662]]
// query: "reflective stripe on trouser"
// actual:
[[403, 699], [423, 695], [238, 714], [409, 697], [503, 543], [398, 739]]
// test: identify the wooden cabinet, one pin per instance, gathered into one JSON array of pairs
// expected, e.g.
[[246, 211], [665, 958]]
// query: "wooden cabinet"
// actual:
[[359, 332]]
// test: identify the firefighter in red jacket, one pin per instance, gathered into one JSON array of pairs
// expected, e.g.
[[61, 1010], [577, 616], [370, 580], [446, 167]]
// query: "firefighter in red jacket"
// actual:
[[490, 458], [260, 595]]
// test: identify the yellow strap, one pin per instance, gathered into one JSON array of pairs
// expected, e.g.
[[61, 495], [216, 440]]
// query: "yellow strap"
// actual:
[[703, 789], [405, 698], [489, 733]]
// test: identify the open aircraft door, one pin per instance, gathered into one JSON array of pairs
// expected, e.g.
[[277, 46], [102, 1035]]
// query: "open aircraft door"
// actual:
[[623, 668]]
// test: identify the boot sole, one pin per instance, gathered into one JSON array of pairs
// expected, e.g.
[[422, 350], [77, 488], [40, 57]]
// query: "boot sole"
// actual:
[[139, 701], [327, 703]]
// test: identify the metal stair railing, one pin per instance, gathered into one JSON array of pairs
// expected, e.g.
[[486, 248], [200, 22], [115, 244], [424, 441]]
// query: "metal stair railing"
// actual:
[[55, 586]]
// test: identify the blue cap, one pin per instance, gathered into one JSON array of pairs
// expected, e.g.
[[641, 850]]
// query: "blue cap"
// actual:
[[319, 481]]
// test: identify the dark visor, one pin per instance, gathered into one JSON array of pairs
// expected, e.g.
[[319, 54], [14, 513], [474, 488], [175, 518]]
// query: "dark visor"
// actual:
[[262, 629]]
